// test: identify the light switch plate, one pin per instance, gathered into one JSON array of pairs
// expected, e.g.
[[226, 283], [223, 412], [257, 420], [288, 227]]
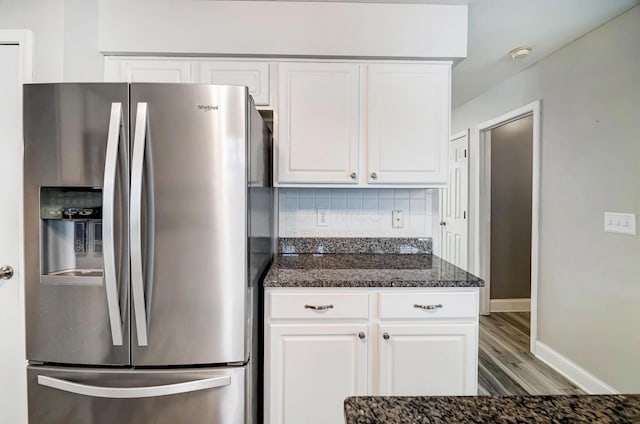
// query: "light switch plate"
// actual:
[[621, 223]]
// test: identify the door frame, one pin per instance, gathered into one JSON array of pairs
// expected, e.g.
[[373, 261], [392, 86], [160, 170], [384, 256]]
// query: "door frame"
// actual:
[[24, 40], [481, 142]]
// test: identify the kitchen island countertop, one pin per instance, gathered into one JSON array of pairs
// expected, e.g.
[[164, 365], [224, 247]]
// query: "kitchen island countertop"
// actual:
[[493, 409]]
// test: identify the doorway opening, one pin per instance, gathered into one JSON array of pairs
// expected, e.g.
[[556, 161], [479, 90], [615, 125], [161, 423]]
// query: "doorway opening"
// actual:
[[511, 150], [507, 196]]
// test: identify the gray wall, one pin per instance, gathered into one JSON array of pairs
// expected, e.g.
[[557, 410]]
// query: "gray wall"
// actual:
[[511, 159], [589, 288]]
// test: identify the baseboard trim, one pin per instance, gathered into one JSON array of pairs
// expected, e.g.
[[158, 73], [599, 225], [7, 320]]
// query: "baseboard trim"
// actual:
[[573, 372], [510, 305]]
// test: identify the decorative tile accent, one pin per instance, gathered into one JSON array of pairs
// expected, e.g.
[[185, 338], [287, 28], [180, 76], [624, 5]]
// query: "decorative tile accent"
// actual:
[[355, 212]]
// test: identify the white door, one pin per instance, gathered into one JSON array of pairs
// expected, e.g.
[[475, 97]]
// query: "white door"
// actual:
[[453, 205], [319, 123], [312, 369], [408, 123], [427, 360], [13, 378]]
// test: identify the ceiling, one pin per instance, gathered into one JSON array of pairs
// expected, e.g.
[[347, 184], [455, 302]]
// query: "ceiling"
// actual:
[[497, 26]]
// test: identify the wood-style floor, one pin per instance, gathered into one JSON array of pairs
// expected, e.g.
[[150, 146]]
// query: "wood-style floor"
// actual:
[[506, 367]]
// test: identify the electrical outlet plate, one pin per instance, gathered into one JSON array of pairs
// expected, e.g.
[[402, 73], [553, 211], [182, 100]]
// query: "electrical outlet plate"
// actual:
[[323, 217], [397, 219], [621, 223]]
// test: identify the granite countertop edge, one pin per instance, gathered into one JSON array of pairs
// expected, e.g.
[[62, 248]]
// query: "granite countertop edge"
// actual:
[[382, 271], [623, 408]]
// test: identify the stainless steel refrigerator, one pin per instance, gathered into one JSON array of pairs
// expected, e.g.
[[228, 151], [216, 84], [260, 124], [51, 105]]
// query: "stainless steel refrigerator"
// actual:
[[148, 224]]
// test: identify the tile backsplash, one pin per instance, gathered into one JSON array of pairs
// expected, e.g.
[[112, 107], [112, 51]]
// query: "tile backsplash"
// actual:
[[356, 212]]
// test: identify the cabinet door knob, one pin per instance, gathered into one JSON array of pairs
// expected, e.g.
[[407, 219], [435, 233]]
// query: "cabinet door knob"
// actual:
[[374, 176], [318, 307], [6, 272], [428, 307], [361, 335], [386, 336], [354, 175]]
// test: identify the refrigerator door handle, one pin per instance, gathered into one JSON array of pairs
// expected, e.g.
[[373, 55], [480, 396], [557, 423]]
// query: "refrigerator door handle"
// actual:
[[116, 133], [141, 167], [133, 392]]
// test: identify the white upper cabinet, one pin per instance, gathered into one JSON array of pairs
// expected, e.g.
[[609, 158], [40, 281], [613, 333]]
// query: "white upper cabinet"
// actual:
[[251, 73], [337, 123], [147, 70], [408, 123], [318, 123], [363, 124], [255, 75]]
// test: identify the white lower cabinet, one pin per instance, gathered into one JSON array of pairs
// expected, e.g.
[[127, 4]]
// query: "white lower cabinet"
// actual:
[[322, 345], [314, 368], [427, 359]]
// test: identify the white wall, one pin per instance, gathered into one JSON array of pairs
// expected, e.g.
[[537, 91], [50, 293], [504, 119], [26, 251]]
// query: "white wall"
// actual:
[[589, 289], [65, 37], [355, 212], [283, 28], [67, 32]]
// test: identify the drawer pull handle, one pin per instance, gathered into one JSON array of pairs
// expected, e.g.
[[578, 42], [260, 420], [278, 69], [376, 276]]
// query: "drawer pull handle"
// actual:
[[361, 335], [428, 307], [318, 307]]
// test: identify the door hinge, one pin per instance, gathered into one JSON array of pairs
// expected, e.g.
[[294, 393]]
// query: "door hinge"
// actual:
[[465, 153]]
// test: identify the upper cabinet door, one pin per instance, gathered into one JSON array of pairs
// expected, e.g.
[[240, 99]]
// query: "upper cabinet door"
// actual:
[[318, 129], [254, 75], [147, 70], [408, 123]]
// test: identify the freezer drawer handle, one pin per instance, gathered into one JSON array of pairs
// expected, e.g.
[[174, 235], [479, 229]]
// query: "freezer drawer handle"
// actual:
[[116, 133], [133, 392]]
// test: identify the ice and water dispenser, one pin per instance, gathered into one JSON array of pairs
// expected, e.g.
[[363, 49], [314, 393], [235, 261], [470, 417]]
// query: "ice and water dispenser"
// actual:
[[71, 235]]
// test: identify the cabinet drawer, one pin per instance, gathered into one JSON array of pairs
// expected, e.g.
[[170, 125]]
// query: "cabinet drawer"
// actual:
[[329, 305], [420, 305]]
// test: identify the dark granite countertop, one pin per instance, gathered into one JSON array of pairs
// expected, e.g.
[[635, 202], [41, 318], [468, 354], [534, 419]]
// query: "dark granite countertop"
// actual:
[[366, 270], [601, 409]]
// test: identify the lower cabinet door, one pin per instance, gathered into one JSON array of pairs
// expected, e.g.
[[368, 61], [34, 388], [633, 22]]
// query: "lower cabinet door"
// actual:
[[311, 369], [427, 359]]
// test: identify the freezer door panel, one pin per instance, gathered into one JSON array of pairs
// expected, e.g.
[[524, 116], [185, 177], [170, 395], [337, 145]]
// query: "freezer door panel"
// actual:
[[189, 224], [87, 396], [76, 193]]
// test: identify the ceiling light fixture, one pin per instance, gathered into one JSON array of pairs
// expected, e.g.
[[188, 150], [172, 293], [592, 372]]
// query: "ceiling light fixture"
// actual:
[[520, 52]]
